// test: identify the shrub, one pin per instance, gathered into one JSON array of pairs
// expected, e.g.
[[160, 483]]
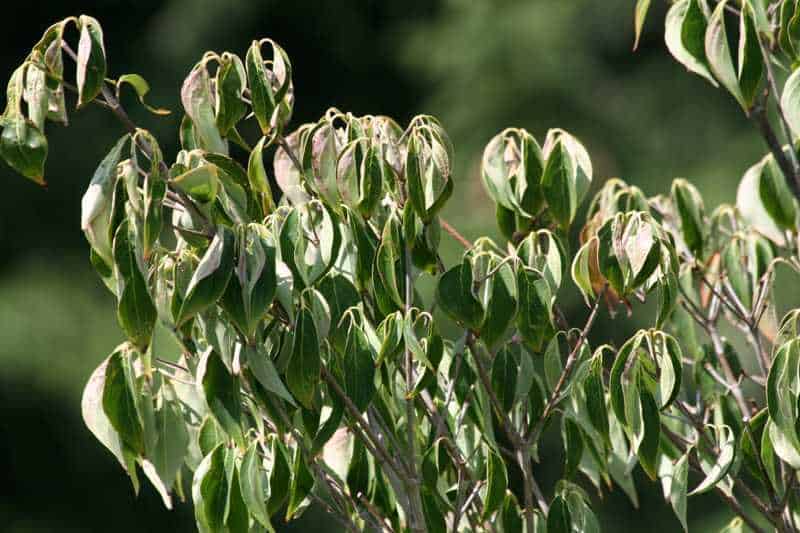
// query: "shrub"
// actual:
[[279, 353]]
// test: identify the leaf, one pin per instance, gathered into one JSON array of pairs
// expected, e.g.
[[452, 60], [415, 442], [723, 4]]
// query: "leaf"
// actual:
[[750, 205], [684, 33], [455, 297], [91, 60], [265, 372], [210, 493], [23, 147], [726, 441], [211, 277], [558, 185], [689, 205], [642, 6], [674, 480], [573, 447], [358, 368], [790, 101], [230, 85], [171, 445], [558, 517], [303, 372], [201, 183], [751, 62], [251, 483], [501, 305], [504, 377], [719, 54], [119, 400], [135, 310], [197, 101], [267, 87], [221, 392], [776, 197], [341, 295], [496, 484], [94, 415], [141, 87], [301, 487], [595, 396], [96, 202], [512, 521], [651, 422], [534, 318], [782, 382], [257, 177], [279, 477]]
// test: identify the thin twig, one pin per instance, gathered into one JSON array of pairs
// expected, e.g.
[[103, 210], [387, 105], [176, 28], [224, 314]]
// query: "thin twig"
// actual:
[[536, 429]]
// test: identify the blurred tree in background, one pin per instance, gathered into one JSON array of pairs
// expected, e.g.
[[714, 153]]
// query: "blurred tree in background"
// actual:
[[477, 65]]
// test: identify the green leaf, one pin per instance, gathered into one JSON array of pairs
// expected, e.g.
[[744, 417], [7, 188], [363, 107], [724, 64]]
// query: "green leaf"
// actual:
[[455, 297], [512, 521], [684, 33], [719, 54], [726, 441], [257, 177], [23, 147], [750, 205], [651, 421], [558, 517], [535, 315], [504, 377], [141, 87], [595, 396], [119, 400], [573, 447], [782, 384], [230, 85], [252, 480], [557, 185], [221, 391], [201, 183], [776, 196], [303, 372], [171, 444], [197, 101], [640, 15], [96, 203], [94, 415], [674, 481], [135, 310], [501, 304], [210, 493], [496, 484], [155, 189], [341, 295], [301, 487], [265, 372], [279, 477], [689, 204], [358, 368], [751, 62], [268, 87], [211, 277], [91, 60]]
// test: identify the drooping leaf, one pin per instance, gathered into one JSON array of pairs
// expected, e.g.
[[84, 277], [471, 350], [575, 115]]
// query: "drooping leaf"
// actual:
[[91, 60], [221, 391], [303, 372]]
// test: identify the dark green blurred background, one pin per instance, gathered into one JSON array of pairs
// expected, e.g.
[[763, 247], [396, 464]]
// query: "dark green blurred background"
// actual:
[[479, 66]]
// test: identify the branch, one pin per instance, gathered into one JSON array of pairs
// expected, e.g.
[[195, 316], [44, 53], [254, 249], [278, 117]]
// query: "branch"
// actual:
[[453, 232], [110, 102], [535, 432]]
